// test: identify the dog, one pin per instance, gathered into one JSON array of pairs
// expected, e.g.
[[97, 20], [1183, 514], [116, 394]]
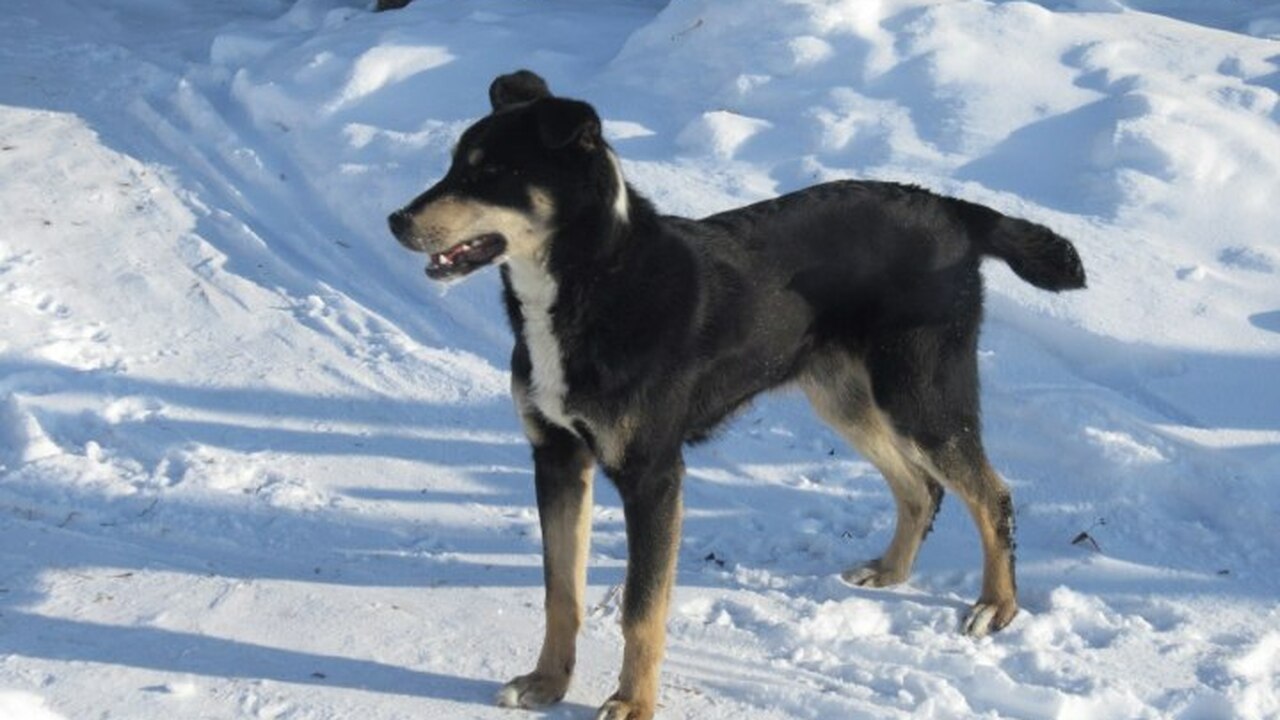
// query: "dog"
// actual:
[[638, 333]]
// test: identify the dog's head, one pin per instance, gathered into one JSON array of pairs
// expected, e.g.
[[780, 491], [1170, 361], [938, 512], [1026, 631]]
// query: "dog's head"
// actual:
[[518, 174]]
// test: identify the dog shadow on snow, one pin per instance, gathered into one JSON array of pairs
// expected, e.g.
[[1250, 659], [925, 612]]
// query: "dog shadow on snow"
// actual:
[[179, 652], [91, 534]]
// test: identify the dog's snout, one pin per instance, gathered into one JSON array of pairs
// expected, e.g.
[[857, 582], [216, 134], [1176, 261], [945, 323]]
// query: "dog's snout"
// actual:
[[399, 221]]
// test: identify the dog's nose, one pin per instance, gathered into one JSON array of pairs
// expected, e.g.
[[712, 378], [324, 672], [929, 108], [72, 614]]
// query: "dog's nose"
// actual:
[[399, 221]]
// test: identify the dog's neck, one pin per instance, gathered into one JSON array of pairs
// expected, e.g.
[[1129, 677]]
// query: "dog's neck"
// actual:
[[590, 247], [590, 253], [599, 236]]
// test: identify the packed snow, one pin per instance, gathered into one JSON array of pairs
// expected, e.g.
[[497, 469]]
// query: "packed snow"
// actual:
[[254, 465]]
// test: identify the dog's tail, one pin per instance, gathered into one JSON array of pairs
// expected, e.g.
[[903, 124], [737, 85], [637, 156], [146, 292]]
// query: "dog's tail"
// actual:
[[1037, 254]]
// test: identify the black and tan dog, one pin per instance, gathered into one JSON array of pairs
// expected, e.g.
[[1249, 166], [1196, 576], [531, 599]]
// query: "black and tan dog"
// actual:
[[636, 333]]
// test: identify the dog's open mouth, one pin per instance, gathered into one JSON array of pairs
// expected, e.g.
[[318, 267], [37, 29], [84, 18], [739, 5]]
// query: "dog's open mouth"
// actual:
[[466, 257]]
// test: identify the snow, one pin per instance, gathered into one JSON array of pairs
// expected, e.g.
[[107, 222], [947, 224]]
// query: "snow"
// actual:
[[252, 464]]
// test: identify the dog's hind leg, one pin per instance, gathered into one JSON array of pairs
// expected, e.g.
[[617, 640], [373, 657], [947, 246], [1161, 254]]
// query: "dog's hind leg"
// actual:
[[918, 498], [963, 465], [927, 382], [563, 470], [839, 390], [652, 505]]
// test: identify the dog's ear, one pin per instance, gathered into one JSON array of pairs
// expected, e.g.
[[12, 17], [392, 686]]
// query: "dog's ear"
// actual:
[[521, 86], [562, 123]]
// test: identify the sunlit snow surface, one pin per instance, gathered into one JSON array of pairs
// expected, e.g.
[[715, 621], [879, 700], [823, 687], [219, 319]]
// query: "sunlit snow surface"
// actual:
[[253, 465]]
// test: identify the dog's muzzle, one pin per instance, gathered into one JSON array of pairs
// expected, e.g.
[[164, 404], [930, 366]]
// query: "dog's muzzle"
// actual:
[[460, 259]]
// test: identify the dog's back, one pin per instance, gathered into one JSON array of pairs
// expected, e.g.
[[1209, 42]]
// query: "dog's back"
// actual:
[[872, 228], [875, 257]]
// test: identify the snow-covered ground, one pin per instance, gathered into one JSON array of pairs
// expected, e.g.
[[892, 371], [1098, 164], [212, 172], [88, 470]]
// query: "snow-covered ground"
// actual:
[[253, 465]]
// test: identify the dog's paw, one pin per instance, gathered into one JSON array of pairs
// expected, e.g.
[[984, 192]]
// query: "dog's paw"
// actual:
[[873, 574], [618, 709], [989, 616], [533, 690]]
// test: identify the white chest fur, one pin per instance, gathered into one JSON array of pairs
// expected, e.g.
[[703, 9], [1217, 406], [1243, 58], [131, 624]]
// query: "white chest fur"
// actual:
[[536, 290]]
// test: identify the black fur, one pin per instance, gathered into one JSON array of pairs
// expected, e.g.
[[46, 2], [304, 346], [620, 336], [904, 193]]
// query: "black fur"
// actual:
[[694, 318], [668, 325]]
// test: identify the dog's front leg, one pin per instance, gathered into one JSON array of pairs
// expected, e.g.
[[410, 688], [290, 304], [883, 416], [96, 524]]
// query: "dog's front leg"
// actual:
[[652, 506], [563, 469]]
